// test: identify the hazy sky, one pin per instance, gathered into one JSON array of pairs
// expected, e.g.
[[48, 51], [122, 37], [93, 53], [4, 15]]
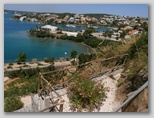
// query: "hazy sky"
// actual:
[[117, 9]]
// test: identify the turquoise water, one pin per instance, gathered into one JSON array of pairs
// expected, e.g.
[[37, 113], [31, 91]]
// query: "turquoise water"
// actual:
[[16, 39]]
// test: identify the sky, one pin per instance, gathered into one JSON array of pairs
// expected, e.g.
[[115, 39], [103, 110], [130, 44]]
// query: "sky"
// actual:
[[140, 10]]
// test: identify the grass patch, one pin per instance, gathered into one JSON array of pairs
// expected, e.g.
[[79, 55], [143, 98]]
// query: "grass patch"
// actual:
[[121, 81], [136, 66], [111, 50], [21, 87], [12, 103]]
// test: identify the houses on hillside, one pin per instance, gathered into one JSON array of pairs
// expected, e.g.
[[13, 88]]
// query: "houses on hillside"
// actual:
[[83, 19], [122, 26]]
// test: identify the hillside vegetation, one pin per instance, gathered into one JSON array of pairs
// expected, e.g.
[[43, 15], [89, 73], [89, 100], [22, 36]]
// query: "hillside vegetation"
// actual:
[[137, 57], [133, 56]]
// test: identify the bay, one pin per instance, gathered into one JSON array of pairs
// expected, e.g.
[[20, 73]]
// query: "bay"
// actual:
[[16, 39]]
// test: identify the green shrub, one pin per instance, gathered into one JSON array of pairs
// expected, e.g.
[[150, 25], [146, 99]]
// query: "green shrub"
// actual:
[[27, 73], [92, 42], [73, 62], [12, 74], [10, 64], [85, 94], [9, 67], [136, 66], [49, 60], [21, 57], [12, 103], [41, 33], [140, 46], [39, 64], [25, 65], [121, 81], [86, 57]]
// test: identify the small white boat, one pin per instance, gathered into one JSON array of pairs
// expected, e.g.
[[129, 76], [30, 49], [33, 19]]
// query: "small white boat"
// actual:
[[68, 25], [95, 27], [73, 26]]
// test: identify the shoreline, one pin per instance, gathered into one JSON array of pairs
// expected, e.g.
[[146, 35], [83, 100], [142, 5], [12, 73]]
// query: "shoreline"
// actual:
[[88, 49], [49, 38]]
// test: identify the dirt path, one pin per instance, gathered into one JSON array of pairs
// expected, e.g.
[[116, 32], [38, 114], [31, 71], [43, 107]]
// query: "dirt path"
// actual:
[[110, 81]]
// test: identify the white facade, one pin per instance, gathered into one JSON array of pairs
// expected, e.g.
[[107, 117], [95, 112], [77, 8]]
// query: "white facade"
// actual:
[[49, 27], [127, 36], [22, 18], [72, 34], [33, 19]]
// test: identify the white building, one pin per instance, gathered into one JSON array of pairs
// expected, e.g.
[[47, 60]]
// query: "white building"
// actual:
[[120, 31], [127, 36], [72, 34], [22, 18], [71, 19], [115, 35], [33, 19], [50, 28]]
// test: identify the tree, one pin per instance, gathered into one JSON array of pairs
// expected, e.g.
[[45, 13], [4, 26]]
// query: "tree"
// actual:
[[74, 54], [82, 58], [86, 57], [108, 33], [88, 31], [122, 35], [50, 60], [21, 57]]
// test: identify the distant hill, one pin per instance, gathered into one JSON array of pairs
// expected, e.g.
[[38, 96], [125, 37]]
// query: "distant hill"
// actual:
[[14, 11], [89, 14]]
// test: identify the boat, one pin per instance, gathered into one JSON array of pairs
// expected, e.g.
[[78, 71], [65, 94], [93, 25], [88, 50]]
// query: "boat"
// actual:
[[73, 26], [95, 27], [70, 25], [92, 26]]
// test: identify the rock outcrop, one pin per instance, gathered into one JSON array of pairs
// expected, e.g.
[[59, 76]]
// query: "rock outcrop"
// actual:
[[138, 104]]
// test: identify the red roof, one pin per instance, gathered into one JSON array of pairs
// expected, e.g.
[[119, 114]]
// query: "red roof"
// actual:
[[132, 32]]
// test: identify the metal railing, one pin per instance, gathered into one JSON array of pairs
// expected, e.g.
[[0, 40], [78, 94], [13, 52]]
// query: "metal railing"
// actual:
[[132, 96]]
